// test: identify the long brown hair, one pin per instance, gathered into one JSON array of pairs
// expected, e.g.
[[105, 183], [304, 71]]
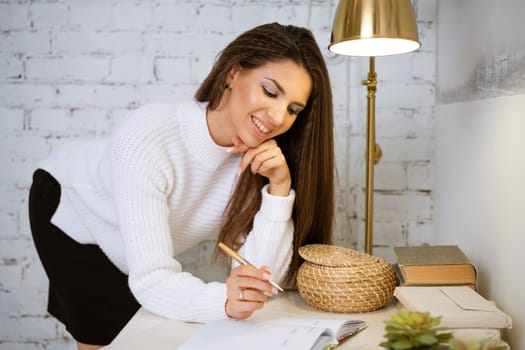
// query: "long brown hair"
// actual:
[[308, 145]]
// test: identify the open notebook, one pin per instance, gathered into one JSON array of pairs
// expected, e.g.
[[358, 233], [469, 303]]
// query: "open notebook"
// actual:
[[279, 331]]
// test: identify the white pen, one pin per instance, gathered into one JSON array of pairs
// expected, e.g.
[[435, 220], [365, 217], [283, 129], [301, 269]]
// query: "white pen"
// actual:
[[234, 255]]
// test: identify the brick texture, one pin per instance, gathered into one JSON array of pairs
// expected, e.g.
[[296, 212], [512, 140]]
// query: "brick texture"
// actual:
[[72, 69]]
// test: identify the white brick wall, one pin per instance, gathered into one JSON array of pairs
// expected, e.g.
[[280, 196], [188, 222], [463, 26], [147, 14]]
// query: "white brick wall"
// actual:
[[73, 68]]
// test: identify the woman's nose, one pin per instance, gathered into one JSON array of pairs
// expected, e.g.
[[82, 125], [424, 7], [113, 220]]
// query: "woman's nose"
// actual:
[[278, 113]]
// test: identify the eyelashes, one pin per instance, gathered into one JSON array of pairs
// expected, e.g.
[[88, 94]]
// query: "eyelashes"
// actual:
[[293, 111], [269, 92]]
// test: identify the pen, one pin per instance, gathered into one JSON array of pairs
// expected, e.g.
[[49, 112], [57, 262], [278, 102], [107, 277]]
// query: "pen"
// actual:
[[234, 255]]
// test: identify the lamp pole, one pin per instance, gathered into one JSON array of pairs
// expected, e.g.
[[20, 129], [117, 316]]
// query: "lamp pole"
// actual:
[[373, 28], [373, 154]]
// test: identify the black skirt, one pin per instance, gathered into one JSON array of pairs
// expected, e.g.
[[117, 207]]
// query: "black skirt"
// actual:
[[87, 293]]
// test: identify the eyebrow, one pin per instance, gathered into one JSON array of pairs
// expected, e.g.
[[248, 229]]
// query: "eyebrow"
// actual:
[[280, 88]]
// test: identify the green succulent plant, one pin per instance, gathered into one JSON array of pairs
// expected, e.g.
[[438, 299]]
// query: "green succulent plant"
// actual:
[[414, 330]]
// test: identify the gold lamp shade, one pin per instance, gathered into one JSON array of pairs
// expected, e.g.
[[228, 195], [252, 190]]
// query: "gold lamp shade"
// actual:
[[374, 28]]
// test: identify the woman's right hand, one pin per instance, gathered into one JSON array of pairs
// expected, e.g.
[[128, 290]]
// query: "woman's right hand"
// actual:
[[266, 159], [248, 289]]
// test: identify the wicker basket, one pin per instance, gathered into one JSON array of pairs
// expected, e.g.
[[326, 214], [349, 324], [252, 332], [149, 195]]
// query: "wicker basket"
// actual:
[[340, 279]]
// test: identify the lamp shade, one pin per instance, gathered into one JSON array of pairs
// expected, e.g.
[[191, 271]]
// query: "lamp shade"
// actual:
[[374, 28]]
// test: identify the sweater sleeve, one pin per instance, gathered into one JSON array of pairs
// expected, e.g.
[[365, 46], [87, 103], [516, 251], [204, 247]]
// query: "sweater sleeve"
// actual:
[[141, 179], [270, 243]]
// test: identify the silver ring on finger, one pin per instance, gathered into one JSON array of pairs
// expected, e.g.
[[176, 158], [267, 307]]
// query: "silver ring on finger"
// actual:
[[241, 295]]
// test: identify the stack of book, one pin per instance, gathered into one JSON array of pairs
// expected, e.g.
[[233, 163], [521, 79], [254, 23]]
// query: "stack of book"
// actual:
[[442, 280], [437, 265]]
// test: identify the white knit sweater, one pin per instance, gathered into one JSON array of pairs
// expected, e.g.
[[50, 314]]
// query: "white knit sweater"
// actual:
[[156, 188]]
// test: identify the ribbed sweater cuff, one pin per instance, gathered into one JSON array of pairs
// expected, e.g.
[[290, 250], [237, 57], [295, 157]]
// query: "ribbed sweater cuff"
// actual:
[[212, 308], [277, 208]]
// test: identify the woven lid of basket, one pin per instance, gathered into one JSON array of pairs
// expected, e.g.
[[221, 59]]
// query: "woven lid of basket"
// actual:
[[344, 280], [331, 255]]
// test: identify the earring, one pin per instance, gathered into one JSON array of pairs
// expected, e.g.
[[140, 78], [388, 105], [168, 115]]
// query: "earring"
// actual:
[[227, 86]]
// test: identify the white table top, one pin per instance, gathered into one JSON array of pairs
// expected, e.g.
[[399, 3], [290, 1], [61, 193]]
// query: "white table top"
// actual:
[[148, 331]]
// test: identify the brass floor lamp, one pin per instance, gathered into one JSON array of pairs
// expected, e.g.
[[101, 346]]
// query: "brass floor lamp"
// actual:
[[373, 28]]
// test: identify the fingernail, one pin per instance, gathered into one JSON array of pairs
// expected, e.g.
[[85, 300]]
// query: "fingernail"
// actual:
[[268, 294], [267, 276], [229, 150], [274, 290]]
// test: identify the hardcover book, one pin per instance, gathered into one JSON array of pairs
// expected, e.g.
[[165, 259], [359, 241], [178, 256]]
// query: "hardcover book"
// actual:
[[434, 265]]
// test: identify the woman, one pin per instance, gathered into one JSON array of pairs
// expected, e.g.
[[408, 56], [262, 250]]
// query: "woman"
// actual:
[[249, 163]]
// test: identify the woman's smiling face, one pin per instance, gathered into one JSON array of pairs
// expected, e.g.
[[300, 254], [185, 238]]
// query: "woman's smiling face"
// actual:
[[264, 102]]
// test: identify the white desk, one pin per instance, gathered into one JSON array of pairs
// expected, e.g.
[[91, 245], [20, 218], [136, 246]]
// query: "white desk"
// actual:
[[148, 331]]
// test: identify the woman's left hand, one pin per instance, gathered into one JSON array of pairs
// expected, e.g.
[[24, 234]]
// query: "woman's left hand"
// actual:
[[267, 160]]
